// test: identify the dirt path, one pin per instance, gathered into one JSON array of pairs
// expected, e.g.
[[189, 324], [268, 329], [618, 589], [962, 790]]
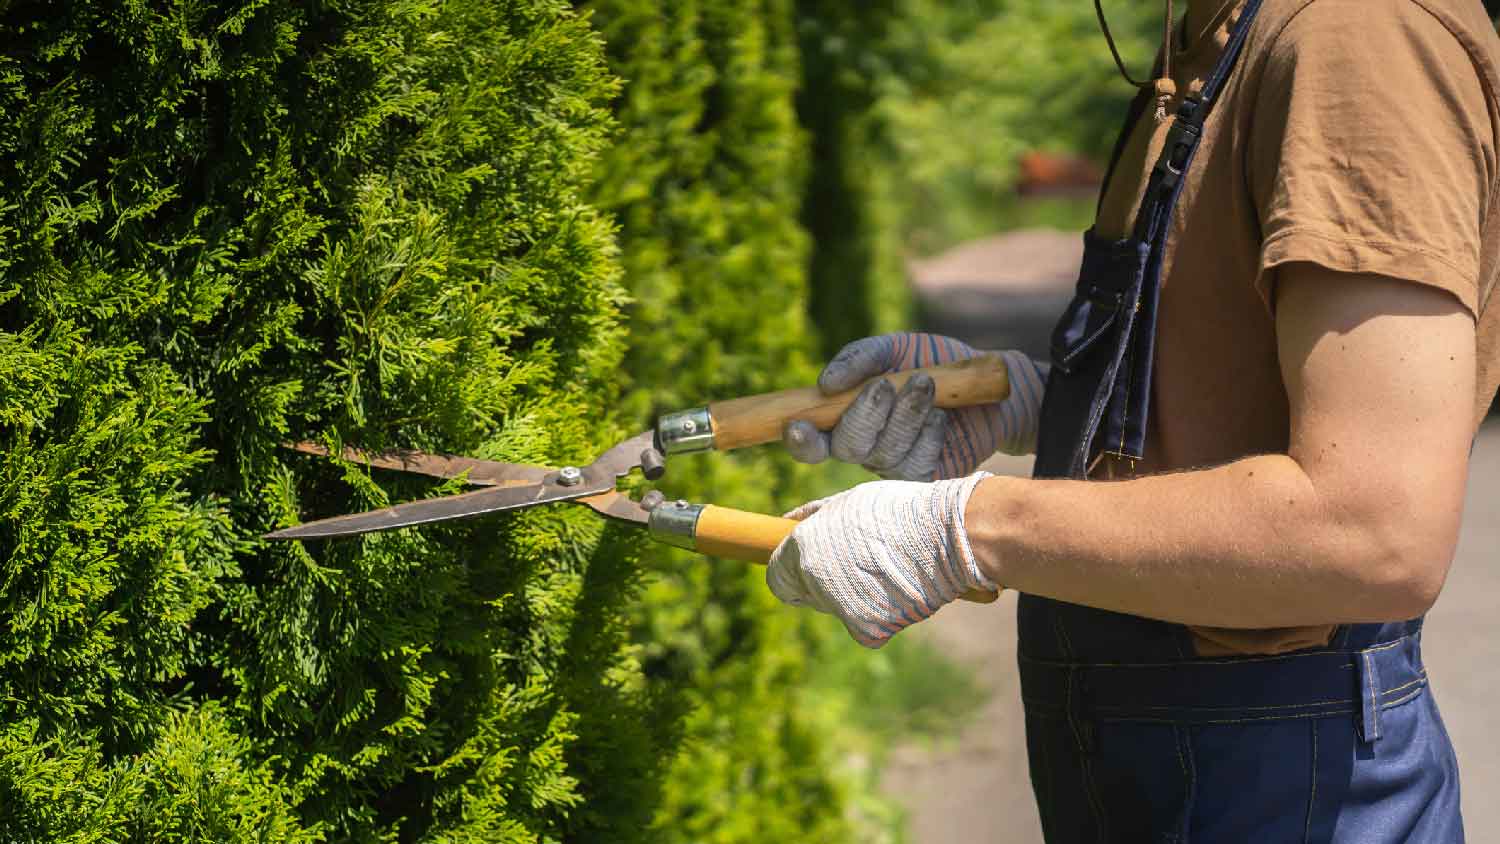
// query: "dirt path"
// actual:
[[977, 790]]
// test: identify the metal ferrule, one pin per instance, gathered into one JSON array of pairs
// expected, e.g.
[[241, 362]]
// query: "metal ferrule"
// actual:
[[676, 523], [686, 432]]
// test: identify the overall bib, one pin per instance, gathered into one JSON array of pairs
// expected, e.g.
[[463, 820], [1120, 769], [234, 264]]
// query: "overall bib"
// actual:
[[1133, 738]]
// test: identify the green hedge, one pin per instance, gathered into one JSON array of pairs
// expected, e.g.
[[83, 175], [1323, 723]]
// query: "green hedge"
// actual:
[[857, 280], [443, 225], [223, 226], [706, 180]]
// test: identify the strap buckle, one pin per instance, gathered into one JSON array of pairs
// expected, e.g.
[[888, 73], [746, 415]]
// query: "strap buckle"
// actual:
[[1182, 139]]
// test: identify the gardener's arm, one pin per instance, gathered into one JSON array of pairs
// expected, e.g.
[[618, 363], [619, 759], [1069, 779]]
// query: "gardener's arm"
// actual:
[[1357, 522]]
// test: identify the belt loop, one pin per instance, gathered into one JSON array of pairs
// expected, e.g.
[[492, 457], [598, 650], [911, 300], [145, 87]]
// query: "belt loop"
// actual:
[[1365, 668]]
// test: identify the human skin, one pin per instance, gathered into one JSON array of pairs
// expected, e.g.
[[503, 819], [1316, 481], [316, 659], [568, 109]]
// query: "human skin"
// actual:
[[1357, 522]]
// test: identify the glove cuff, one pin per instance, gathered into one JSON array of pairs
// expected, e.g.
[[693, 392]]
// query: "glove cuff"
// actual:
[[1018, 418], [960, 555]]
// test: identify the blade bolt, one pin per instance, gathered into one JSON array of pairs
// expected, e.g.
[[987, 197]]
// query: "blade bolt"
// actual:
[[653, 464], [569, 476]]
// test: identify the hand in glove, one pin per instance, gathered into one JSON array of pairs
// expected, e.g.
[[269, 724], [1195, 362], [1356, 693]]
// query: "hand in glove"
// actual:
[[900, 434], [881, 556]]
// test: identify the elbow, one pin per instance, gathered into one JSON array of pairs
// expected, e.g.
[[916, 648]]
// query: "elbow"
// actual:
[[1405, 589], [1401, 570]]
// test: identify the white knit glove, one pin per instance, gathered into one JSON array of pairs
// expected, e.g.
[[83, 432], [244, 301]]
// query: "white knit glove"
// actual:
[[899, 434], [881, 556]]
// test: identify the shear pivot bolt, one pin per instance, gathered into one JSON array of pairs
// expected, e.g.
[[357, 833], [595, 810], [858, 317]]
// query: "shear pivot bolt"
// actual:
[[653, 464], [569, 476]]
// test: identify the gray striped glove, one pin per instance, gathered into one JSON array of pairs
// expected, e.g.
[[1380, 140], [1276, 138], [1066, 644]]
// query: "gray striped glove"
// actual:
[[881, 556], [899, 434]]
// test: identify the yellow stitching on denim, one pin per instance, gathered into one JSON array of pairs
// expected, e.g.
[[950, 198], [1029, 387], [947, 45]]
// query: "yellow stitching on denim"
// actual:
[[1227, 721], [1192, 782], [1372, 709], [1229, 707], [1062, 633], [1093, 792], [1312, 796], [1403, 699], [1181, 762], [1120, 719], [1107, 707], [1072, 716], [1178, 739], [1420, 679], [1197, 662]]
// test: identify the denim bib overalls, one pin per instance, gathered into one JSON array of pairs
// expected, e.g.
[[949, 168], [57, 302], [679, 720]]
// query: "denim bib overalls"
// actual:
[[1133, 738]]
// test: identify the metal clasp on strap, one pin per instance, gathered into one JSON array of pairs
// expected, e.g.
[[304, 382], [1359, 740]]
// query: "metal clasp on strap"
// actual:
[[1182, 139]]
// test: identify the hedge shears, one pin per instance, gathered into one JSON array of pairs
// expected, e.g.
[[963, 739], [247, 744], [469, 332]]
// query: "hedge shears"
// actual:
[[705, 528]]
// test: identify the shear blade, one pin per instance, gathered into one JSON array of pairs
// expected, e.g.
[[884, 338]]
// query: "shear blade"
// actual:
[[431, 510], [476, 472], [595, 482]]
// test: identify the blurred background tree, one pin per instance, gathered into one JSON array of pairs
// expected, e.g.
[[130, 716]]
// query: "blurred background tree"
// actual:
[[920, 111]]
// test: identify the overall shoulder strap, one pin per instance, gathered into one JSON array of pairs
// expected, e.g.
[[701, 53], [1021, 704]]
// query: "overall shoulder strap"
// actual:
[[1187, 130]]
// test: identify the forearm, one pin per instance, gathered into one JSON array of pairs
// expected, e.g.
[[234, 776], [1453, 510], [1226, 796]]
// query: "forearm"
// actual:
[[1251, 544]]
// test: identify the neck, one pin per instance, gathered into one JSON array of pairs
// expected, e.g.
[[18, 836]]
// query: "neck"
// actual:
[[1200, 15]]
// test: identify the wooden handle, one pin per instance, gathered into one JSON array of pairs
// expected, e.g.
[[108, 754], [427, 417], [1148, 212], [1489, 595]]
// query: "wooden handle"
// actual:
[[753, 537], [754, 420], [739, 535]]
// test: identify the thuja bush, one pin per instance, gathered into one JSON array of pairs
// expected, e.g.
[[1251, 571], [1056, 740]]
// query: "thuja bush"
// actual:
[[857, 281], [225, 226], [706, 181]]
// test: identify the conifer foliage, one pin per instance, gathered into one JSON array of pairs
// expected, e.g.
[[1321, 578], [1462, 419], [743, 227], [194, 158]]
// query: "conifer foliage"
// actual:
[[508, 228], [226, 225], [706, 181]]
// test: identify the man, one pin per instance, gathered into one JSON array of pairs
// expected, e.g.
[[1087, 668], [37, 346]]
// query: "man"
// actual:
[[1283, 342]]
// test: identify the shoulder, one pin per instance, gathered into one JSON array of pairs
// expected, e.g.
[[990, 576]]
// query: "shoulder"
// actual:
[[1441, 31]]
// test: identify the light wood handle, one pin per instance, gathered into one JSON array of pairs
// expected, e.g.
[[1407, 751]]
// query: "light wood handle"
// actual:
[[753, 537], [740, 535], [755, 420]]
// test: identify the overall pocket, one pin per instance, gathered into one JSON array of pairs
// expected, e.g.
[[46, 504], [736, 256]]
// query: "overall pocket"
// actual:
[[1108, 286], [1088, 318], [1088, 344]]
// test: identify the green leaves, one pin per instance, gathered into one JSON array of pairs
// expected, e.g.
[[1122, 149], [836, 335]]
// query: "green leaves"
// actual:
[[225, 227]]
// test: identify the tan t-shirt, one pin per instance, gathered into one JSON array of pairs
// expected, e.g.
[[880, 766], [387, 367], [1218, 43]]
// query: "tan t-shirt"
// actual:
[[1360, 135]]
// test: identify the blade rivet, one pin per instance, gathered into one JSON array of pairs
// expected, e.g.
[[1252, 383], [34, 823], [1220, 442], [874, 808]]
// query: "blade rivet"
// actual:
[[689, 426], [569, 476], [653, 464]]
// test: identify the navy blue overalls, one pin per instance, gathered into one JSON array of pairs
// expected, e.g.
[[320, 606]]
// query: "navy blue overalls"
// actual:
[[1133, 738]]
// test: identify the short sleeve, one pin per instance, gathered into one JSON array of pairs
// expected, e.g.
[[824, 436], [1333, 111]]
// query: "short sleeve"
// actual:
[[1372, 149]]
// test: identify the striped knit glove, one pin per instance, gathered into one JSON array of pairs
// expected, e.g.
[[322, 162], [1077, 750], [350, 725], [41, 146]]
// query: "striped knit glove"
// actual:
[[899, 434], [881, 556]]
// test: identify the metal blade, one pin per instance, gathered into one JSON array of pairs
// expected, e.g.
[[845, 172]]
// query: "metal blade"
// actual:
[[613, 505], [595, 482], [624, 457], [480, 472], [431, 510]]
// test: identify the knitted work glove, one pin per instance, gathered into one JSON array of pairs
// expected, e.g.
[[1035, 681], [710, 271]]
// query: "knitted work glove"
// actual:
[[900, 434], [881, 556]]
